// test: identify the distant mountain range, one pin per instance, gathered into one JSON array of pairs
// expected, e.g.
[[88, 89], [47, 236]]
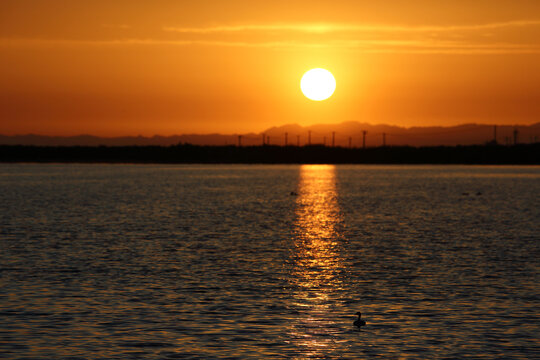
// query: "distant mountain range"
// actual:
[[344, 134]]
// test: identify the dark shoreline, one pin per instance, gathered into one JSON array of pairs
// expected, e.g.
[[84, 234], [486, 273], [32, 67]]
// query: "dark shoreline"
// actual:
[[521, 154]]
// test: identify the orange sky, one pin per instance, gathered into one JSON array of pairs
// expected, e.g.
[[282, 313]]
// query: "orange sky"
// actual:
[[113, 68]]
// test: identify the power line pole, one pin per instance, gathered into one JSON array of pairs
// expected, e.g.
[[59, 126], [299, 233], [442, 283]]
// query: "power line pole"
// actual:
[[364, 139], [333, 138], [350, 142], [309, 137], [239, 140], [298, 140], [286, 135]]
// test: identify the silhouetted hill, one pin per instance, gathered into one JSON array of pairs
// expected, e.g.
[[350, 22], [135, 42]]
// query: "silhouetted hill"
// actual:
[[466, 134], [90, 140]]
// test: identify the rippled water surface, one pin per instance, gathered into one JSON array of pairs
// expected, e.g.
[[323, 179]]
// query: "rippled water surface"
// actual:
[[208, 262]]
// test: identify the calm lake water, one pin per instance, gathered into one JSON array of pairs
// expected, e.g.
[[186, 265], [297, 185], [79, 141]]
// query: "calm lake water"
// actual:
[[215, 262]]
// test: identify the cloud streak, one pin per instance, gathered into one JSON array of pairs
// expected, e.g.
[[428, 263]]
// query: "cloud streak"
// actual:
[[375, 38], [364, 46], [322, 28], [361, 38]]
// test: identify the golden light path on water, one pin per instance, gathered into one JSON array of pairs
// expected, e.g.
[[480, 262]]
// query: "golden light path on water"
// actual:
[[317, 262]]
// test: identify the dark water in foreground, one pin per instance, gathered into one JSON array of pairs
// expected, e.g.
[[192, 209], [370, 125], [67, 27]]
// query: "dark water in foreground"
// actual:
[[174, 262]]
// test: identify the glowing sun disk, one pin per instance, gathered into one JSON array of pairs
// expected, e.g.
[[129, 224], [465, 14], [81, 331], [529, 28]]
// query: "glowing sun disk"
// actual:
[[318, 84]]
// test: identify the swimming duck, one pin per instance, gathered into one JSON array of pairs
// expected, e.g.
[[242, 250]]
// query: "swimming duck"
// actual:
[[359, 322]]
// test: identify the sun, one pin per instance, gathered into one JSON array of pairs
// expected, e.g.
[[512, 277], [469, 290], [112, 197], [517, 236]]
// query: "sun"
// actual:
[[318, 84]]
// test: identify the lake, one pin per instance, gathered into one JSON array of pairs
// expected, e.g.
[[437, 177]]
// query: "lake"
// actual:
[[256, 261]]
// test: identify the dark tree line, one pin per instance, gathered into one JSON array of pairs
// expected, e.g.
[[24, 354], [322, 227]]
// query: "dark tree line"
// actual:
[[186, 153]]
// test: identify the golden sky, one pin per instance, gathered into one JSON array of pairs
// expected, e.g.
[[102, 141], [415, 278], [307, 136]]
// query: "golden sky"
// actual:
[[129, 67]]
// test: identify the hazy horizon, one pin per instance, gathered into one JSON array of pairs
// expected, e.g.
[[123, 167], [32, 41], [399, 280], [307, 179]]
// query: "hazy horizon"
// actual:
[[272, 128], [346, 134]]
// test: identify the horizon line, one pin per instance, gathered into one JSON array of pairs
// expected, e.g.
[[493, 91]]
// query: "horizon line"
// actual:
[[304, 128]]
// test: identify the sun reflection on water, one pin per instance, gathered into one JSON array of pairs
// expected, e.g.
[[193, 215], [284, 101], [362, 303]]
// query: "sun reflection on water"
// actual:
[[317, 262]]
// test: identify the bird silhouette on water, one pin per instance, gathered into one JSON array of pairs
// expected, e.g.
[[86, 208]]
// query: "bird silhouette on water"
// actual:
[[359, 322]]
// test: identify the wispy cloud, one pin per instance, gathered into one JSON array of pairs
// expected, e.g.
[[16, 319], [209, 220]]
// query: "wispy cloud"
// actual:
[[364, 46], [333, 28], [372, 38], [450, 39]]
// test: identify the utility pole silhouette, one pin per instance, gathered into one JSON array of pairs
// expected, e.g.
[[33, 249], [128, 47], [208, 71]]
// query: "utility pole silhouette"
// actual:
[[364, 139], [239, 140], [333, 138], [383, 139], [309, 137], [350, 142], [515, 135], [286, 135], [298, 140]]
